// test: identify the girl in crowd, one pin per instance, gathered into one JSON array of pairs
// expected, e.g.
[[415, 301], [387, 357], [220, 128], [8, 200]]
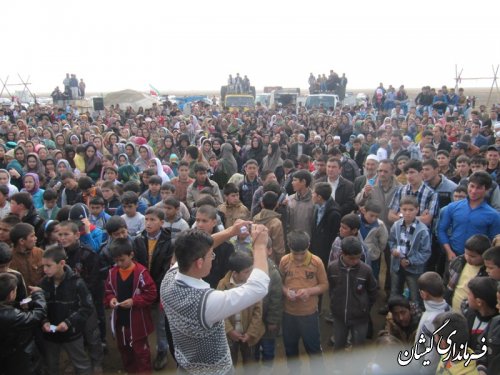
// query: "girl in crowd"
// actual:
[[32, 185]]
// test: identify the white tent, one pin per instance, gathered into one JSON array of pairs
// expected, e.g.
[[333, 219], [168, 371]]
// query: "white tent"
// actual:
[[134, 99]]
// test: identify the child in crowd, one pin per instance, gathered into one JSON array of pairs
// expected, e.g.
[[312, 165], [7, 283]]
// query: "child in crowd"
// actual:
[[88, 189], [244, 329], [173, 220], [111, 200], [49, 210], [182, 182], [353, 291], [111, 175], [410, 246], [134, 187], [272, 220], [90, 235], [17, 326], [480, 309], [98, 216], [5, 260], [167, 190], [152, 194], [232, 208], [250, 183], [116, 228], [373, 233], [71, 194], [51, 233], [304, 280], [491, 258], [430, 285], [84, 262], [326, 221], [464, 268], [130, 292], [349, 226], [69, 306], [31, 183], [145, 176], [155, 241], [490, 364], [26, 257], [272, 311], [6, 224], [135, 220]]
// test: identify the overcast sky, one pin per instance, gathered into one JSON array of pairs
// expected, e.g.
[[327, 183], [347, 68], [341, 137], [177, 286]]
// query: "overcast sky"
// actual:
[[194, 45]]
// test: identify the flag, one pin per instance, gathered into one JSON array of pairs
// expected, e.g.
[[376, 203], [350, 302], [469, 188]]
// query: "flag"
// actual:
[[153, 91]]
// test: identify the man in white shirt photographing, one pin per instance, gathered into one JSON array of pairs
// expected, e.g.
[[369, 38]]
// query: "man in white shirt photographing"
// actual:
[[196, 312]]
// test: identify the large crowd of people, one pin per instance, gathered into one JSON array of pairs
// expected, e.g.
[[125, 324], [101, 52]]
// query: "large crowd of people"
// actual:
[[224, 232]]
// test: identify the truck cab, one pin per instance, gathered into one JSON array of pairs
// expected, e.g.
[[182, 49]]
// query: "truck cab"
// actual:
[[324, 100], [240, 101], [286, 97]]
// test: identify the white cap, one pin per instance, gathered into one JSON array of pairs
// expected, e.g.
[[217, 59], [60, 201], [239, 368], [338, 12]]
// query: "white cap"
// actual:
[[372, 157]]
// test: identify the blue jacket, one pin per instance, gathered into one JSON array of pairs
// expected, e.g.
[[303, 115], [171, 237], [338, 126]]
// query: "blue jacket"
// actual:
[[94, 239], [420, 247], [465, 222]]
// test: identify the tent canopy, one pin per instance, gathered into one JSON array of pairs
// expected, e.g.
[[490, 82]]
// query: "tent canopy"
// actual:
[[130, 98]]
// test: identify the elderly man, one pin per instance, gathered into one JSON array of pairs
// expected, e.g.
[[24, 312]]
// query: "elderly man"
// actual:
[[299, 148], [382, 192], [369, 176]]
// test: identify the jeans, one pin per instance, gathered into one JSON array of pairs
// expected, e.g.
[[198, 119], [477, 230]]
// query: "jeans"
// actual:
[[307, 328], [161, 333], [265, 348], [341, 332], [398, 280]]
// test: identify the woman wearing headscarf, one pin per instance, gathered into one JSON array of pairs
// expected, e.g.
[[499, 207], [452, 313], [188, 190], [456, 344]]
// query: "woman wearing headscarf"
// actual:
[[160, 170], [256, 150], [32, 185], [226, 166], [35, 165], [5, 180], [3, 150], [20, 155], [116, 150], [145, 155], [273, 162], [15, 169], [131, 152], [168, 148], [93, 163], [206, 148]]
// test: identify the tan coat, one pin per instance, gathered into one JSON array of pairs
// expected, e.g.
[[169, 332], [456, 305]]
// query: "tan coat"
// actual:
[[272, 221], [251, 317], [29, 264], [233, 212]]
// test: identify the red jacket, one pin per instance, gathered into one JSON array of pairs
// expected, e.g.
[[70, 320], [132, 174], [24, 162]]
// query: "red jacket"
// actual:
[[144, 295]]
